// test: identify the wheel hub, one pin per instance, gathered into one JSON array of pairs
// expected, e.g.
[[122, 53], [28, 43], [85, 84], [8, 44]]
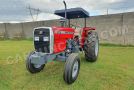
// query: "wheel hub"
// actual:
[[96, 47], [37, 66], [75, 69]]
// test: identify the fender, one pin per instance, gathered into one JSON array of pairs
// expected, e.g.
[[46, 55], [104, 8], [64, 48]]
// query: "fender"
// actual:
[[84, 34], [89, 28]]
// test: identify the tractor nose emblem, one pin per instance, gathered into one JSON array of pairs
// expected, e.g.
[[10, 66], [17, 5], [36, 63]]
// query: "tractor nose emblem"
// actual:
[[41, 32]]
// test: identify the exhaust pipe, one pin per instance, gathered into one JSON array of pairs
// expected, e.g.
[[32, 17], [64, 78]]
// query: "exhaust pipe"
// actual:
[[65, 12]]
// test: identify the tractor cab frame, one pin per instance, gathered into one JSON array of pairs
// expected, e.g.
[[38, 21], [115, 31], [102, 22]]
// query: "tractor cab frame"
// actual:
[[73, 13]]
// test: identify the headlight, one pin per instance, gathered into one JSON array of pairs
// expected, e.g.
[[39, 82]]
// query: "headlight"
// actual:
[[36, 38]]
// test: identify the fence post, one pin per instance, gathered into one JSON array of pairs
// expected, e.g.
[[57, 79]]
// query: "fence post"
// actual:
[[6, 31], [122, 27], [23, 32]]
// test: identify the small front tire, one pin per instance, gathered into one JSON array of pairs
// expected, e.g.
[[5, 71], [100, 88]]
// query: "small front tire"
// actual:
[[32, 68], [72, 68]]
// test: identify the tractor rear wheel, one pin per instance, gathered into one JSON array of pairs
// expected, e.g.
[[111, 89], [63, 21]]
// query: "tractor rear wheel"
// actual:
[[32, 68], [72, 68], [91, 47]]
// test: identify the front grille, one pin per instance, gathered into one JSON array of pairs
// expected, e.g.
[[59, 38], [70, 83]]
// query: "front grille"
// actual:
[[42, 40]]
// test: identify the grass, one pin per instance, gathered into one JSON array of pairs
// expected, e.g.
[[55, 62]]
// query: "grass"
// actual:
[[114, 70]]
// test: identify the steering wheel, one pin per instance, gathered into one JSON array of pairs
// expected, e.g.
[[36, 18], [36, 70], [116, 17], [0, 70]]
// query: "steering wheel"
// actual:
[[73, 26]]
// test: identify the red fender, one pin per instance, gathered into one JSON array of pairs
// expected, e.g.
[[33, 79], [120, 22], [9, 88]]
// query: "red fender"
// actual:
[[84, 34]]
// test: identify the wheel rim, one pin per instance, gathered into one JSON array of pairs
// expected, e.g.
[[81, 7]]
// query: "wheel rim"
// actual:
[[37, 66], [96, 47], [75, 69]]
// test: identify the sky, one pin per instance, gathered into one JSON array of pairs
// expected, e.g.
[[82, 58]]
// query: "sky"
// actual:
[[17, 10]]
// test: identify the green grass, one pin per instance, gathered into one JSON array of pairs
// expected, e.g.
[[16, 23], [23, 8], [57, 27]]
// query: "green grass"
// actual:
[[114, 70]]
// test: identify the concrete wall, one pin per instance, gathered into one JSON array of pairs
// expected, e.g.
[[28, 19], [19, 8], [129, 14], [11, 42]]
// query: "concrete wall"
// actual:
[[117, 29], [109, 28], [128, 23], [14, 30], [28, 28]]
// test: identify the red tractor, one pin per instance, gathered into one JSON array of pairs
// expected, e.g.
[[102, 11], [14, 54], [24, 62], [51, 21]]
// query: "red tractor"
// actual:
[[61, 43]]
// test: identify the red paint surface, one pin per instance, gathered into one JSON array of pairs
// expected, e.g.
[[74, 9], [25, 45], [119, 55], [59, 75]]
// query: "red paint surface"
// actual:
[[60, 39]]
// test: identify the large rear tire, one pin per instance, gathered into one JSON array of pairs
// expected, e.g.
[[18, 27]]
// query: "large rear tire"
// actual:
[[72, 68], [32, 68], [91, 47]]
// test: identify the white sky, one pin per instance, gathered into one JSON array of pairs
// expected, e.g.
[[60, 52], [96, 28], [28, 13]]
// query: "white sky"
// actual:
[[16, 10]]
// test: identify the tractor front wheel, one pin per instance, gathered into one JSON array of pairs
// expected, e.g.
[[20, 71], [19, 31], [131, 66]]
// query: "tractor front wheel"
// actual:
[[32, 68], [72, 68], [91, 47]]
